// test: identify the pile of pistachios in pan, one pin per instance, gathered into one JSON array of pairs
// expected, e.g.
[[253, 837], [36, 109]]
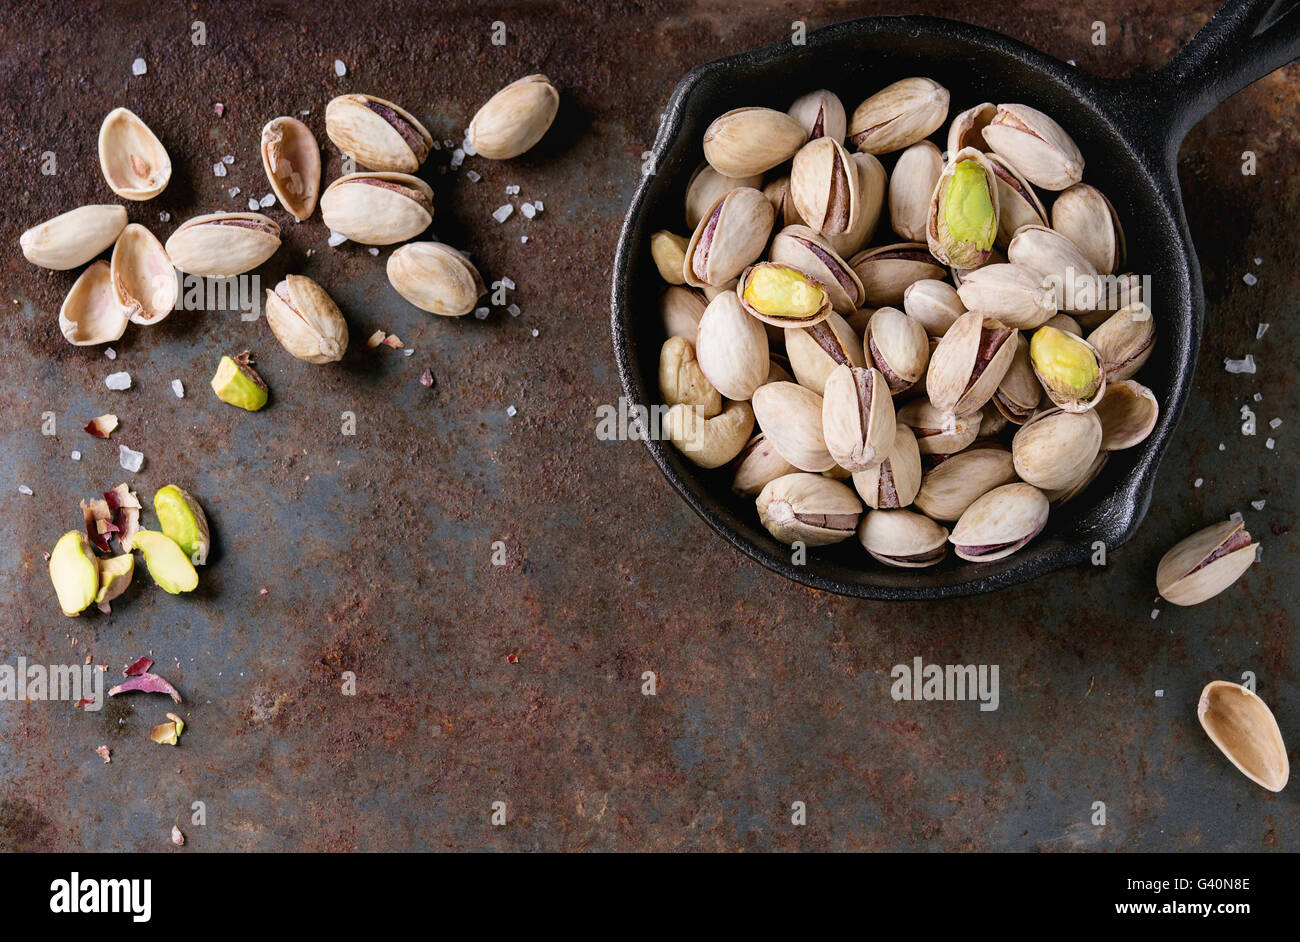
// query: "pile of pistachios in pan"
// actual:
[[929, 341]]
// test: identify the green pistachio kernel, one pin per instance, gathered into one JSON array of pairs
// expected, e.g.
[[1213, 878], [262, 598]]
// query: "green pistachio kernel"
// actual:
[[968, 214], [1064, 364], [237, 383], [781, 291]]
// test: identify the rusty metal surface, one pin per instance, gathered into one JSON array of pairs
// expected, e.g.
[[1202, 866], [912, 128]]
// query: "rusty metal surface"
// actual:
[[522, 683]]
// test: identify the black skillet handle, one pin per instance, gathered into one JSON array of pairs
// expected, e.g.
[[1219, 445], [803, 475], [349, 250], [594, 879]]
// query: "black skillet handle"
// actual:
[[1243, 42]]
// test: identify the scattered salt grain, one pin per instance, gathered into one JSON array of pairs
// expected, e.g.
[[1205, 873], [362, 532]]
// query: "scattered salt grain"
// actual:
[[218, 109], [449, 144], [139, 67], [110, 353], [76, 456], [508, 282], [512, 190], [1236, 517], [409, 351], [536, 332], [457, 158], [339, 68], [537, 205], [1259, 261], [528, 210], [228, 159], [473, 176], [372, 250], [1259, 397], [1260, 331], [1249, 279], [1246, 365], [1155, 613], [252, 205], [1274, 423], [1159, 693], [218, 169], [1269, 443], [502, 213], [511, 411], [468, 148], [268, 201], [513, 309], [336, 239], [178, 388], [1259, 551], [481, 313], [130, 460], [1257, 504], [165, 216], [118, 381], [233, 191], [24, 489], [1198, 482], [523, 239]]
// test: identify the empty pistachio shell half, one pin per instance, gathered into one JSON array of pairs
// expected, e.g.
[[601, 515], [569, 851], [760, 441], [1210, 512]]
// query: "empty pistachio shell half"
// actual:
[[668, 250], [897, 346], [1206, 563], [824, 186], [957, 481], [680, 310], [886, 271], [967, 129], [903, 539], [911, 187], [73, 238], [731, 235], [1125, 340], [1128, 415], [999, 522], [963, 217], [1060, 263], [792, 418], [222, 245], [732, 348], [808, 508], [747, 141], [237, 383], [436, 278], [1054, 448], [935, 304], [143, 277], [893, 482], [938, 432], [515, 118], [1084, 216], [898, 116], [378, 208], [783, 296], [1070, 369], [1018, 203], [133, 160], [969, 363], [1020, 392], [91, 313], [377, 133], [291, 159], [821, 113], [682, 381], [709, 443], [858, 421], [807, 251], [1245, 730], [757, 464], [1014, 294], [817, 350], [1036, 146], [306, 321], [707, 186]]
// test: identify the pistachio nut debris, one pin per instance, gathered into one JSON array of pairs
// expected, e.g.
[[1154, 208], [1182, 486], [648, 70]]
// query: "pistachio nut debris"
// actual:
[[167, 563], [91, 313], [669, 253], [515, 118], [74, 572], [182, 520], [237, 383], [144, 281]]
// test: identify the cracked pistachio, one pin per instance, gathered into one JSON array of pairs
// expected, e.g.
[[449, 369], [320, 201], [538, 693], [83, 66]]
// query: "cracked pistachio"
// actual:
[[306, 321], [1128, 414], [1245, 730], [791, 415], [821, 114], [757, 464], [935, 304], [911, 187], [1084, 216], [377, 133], [222, 245], [709, 443], [91, 312], [144, 281], [436, 278], [707, 186], [1054, 448], [783, 296], [731, 348], [1036, 146], [808, 508], [898, 347], [903, 539], [967, 129], [747, 141], [888, 270], [1206, 563], [815, 351], [893, 482], [73, 238], [963, 218], [1125, 340], [669, 253], [938, 432], [802, 248], [377, 208], [515, 118], [957, 481], [1061, 265], [1018, 204], [1020, 391], [969, 363], [898, 116], [858, 422], [824, 186], [1069, 368], [1015, 295], [731, 235], [999, 522], [872, 182]]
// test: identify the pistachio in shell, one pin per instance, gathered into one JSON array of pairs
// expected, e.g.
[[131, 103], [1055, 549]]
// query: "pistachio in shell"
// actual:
[[935, 304], [911, 187], [222, 245], [306, 321], [1245, 730], [893, 482], [732, 348], [938, 432], [963, 217], [680, 310], [1207, 562], [1015, 295], [903, 539], [791, 415], [747, 141], [731, 235], [707, 186], [133, 160], [808, 508], [804, 249], [1060, 263], [814, 352], [888, 270], [1070, 369], [1128, 414], [824, 186], [999, 522], [377, 208], [377, 133], [1084, 216], [757, 464], [957, 481], [858, 422], [783, 296], [872, 182], [969, 363], [73, 238], [1054, 448], [515, 118], [1018, 203], [436, 278], [1020, 391], [291, 159], [898, 347], [1125, 340], [967, 129], [821, 114], [1036, 146], [898, 116]]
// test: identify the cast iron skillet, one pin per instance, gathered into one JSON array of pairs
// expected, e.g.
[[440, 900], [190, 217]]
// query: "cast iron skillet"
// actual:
[[1129, 132]]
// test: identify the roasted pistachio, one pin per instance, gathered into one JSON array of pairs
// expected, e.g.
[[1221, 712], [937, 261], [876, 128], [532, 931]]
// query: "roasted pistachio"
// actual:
[[757, 464], [115, 574], [1206, 563], [751, 140], [911, 187], [710, 443], [938, 432], [801, 248], [999, 522], [1125, 341], [903, 539], [783, 296], [872, 181], [824, 186], [817, 350], [886, 271], [963, 217], [669, 253], [897, 346], [898, 116], [821, 113], [1054, 448], [515, 118], [1018, 204], [1060, 263], [133, 160], [707, 186], [237, 383], [377, 133], [1015, 295], [731, 235], [1070, 369], [1036, 146], [732, 348], [436, 278], [306, 321], [792, 418], [1245, 730], [957, 481], [808, 508], [377, 208], [935, 304], [1020, 392], [73, 238], [969, 363], [857, 417], [1084, 216], [1128, 414], [291, 159], [1072, 490], [222, 245], [895, 480]]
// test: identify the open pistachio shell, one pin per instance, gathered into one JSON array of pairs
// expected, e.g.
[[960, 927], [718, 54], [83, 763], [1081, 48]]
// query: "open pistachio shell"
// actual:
[[436, 278], [898, 116], [1020, 392], [133, 160], [515, 118], [1125, 340], [1245, 730], [731, 235], [143, 277], [1018, 203], [1036, 146], [1206, 563], [1084, 216], [903, 539], [732, 348], [962, 224], [306, 321], [999, 522], [872, 181], [1054, 448], [792, 418], [91, 313], [893, 482], [377, 208], [291, 159], [73, 238], [911, 187], [888, 270], [377, 133], [824, 186], [808, 508], [757, 464], [814, 352], [1128, 415], [897, 346], [858, 421], [707, 186], [938, 432], [222, 245], [821, 113], [969, 363], [746, 141], [709, 442], [967, 129], [783, 295], [806, 250], [955, 483]]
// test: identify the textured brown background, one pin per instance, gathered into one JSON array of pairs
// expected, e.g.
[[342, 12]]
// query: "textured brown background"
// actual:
[[376, 549]]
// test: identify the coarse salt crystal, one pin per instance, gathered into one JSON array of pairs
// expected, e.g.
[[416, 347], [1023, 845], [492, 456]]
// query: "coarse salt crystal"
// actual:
[[511, 411], [528, 210], [24, 489], [268, 200], [473, 176], [118, 381], [110, 353], [76, 456], [218, 169], [372, 250], [536, 332], [339, 68], [512, 190], [1259, 397], [449, 144], [468, 148], [1155, 613], [1249, 278], [178, 388], [523, 239], [1269, 443], [1274, 423], [252, 205], [336, 239], [1222, 447], [1246, 365], [1259, 551], [1260, 331], [409, 351], [130, 460], [502, 213], [1259, 261], [139, 67], [481, 313], [1257, 504], [1198, 482], [228, 159], [537, 205], [457, 158], [1161, 692], [1236, 516], [513, 309]]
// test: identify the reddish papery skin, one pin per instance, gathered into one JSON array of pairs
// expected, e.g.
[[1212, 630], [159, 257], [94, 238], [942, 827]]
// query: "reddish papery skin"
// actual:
[[138, 667], [146, 683]]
